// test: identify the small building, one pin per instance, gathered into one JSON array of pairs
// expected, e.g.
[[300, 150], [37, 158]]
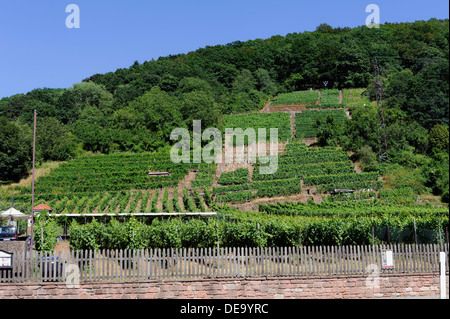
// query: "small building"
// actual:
[[42, 208], [150, 173], [342, 191]]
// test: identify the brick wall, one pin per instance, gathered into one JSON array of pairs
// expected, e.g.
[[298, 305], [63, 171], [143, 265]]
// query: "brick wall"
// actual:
[[261, 288]]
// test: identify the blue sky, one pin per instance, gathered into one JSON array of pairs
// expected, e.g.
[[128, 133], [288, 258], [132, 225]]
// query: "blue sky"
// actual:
[[37, 49]]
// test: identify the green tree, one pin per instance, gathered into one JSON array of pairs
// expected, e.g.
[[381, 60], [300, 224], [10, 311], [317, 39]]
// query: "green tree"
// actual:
[[200, 105], [156, 111], [75, 99], [361, 130], [15, 150], [244, 82], [168, 82], [368, 158], [189, 84], [439, 138], [54, 141], [327, 131], [93, 137], [264, 82], [436, 173]]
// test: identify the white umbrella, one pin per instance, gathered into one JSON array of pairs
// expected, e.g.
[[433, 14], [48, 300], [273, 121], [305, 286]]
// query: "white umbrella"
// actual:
[[13, 214]]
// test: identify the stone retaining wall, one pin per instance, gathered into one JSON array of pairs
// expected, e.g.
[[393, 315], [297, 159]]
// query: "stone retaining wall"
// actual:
[[339, 287]]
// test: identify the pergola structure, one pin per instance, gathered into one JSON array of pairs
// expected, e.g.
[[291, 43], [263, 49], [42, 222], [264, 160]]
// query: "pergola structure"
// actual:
[[202, 214]]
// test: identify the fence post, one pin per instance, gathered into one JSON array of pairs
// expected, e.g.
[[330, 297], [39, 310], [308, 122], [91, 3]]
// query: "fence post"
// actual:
[[388, 236], [415, 231], [442, 284], [373, 234]]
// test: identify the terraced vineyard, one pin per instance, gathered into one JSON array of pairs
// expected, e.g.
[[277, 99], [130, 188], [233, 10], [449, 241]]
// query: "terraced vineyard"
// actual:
[[355, 97], [301, 97], [330, 98], [261, 120], [351, 206], [314, 166], [361, 217], [305, 121], [99, 173], [205, 176], [239, 176], [119, 183], [125, 201]]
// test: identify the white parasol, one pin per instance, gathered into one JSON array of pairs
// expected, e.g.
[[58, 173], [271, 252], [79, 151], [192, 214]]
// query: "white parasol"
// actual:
[[13, 214]]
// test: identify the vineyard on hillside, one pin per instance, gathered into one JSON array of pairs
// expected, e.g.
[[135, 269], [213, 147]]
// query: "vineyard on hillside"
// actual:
[[323, 99], [301, 97], [261, 120], [99, 173], [329, 98], [305, 121], [318, 167], [355, 97], [120, 183]]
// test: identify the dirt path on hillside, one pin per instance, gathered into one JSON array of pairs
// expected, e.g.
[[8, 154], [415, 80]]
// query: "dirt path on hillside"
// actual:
[[309, 140], [356, 168], [266, 108], [186, 182], [292, 118], [230, 167]]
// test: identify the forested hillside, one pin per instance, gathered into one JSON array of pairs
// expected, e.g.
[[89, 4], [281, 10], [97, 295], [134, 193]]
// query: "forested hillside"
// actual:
[[135, 109]]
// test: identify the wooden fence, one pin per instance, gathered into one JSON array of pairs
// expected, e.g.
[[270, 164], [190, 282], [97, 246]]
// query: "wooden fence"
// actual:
[[187, 263]]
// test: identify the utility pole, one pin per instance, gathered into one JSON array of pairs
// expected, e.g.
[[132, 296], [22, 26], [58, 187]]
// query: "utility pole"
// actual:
[[32, 183], [381, 125]]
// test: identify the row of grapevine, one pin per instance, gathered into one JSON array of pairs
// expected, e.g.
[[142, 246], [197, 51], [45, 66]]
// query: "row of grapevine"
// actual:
[[99, 188], [366, 184], [231, 188], [255, 121], [204, 176], [122, 201], [305, 121], [339, 178], [398, 196], [302, 170], [110, 173], [198, 200], [244, 192], [300, 97], [187, 201], [255, 231], [352, 208], [238, 176], [235, 197], [278, 187], [330, 97]]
